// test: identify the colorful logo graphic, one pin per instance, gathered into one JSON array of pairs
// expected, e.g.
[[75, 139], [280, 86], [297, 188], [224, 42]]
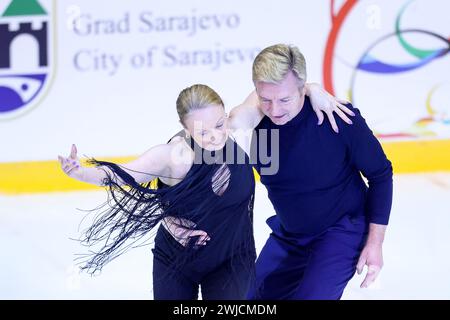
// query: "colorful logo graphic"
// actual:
[[408, 99], [25, 55]]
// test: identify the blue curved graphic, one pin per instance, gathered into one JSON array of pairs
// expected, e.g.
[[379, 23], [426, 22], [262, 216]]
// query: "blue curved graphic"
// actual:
[[18, 90]]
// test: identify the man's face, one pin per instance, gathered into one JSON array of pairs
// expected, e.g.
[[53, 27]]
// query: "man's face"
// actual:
[[282, 101]]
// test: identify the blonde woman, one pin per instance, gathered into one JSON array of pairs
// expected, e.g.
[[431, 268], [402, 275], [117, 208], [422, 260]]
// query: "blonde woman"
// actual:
[[204, 200]]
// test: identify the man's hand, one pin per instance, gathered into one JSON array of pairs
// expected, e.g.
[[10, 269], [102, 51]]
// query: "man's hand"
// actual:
[[372, 254], [372, 257]]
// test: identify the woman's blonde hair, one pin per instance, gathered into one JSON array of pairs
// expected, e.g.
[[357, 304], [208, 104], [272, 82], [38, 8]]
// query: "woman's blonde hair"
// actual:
[[273, 63], [196, 97]]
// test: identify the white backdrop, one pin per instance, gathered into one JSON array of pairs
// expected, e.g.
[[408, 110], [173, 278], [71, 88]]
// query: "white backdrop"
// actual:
[[118, 66]]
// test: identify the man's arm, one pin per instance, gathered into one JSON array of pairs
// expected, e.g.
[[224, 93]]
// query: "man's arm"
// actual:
[[369, 158]]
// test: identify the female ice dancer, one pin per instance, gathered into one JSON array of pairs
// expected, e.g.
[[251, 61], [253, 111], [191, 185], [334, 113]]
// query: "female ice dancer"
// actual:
[[204, 200]]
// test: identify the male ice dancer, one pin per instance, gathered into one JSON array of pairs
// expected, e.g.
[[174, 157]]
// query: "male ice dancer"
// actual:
[[328, 223]]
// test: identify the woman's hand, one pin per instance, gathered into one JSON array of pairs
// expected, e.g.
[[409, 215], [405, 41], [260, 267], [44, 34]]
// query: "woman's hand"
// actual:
[[71, 165], [322, 101], [182, 230]]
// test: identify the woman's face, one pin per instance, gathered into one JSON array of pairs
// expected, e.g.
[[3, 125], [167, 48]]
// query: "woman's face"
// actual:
[[208, 126]]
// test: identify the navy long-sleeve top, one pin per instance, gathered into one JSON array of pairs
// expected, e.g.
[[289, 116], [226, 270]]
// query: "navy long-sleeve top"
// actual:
[[319, 176]]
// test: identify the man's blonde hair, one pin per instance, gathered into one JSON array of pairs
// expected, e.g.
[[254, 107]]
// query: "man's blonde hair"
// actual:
[[273, 63]]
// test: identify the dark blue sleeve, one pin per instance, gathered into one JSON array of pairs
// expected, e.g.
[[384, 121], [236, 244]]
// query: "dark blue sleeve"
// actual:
[[367, 155]]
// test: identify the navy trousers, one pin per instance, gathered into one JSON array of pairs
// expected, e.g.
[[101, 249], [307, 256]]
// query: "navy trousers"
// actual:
[[293, 267]]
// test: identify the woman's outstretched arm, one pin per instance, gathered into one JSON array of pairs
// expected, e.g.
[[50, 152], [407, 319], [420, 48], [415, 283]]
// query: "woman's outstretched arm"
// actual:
[[153, 163]]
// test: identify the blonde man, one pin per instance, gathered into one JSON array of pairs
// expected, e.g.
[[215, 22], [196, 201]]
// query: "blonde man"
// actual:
[[328, 223]]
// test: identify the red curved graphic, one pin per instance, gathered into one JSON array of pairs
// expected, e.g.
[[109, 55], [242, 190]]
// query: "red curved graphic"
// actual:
[[337, 22]]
